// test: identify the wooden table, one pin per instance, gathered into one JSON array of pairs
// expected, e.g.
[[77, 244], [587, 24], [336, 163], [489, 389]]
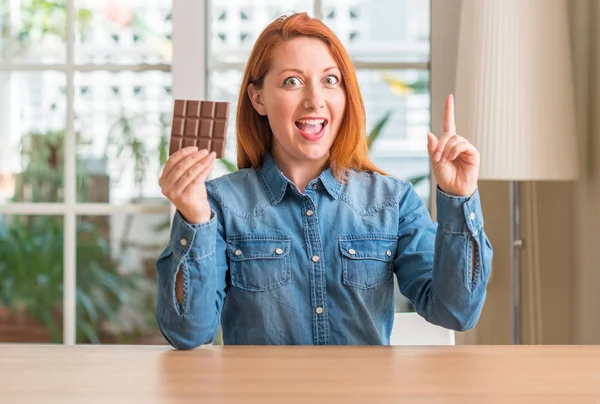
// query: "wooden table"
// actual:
[[212, 374]]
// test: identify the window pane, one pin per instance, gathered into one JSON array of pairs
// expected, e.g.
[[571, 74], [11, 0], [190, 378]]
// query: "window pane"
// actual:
[[124, 31], [383, 30], [236, 24], [33, 31], [225, 86], [123, 121], [401, 147], [31, 278], [116, 277], [32, 127]]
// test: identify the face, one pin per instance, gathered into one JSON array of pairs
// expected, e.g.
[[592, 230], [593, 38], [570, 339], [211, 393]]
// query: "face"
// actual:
[[304, 100]]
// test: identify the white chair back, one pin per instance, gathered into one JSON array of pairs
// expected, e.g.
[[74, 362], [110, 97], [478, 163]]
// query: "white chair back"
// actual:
[[412, 329]]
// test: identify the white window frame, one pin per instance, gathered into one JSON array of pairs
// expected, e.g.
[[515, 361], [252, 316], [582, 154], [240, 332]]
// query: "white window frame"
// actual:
[[70, 208], [189, 76]]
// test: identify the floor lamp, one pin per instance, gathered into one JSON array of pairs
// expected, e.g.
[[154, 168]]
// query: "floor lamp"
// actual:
[[515, 101]]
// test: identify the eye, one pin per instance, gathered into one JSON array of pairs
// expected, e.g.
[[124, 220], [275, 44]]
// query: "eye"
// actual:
[[331, 80], [291, 82]]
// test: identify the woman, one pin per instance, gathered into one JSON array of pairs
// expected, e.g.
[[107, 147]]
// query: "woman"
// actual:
[[300, 245]]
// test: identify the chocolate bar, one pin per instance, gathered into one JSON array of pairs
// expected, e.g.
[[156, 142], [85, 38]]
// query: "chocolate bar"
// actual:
[[199, 123]]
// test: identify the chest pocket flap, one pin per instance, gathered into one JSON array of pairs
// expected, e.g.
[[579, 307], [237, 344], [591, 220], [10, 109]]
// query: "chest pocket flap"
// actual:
[[259, 263], [368, 260]]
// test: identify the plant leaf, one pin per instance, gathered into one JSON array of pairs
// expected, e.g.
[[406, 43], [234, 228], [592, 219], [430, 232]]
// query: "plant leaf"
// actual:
[[418, 179], [88, 305], [377, 129], [228, 165]]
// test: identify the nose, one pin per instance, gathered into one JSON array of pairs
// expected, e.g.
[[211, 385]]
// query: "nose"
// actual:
[[314, 99]]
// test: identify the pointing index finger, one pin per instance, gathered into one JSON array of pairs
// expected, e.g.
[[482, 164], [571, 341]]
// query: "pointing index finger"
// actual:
[[449, 124]]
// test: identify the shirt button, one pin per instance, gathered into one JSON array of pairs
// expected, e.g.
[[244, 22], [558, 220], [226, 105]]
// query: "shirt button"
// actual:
[[319, 310], [238, 252], [314, 185], [279, 251], [388, 253], [351, 251], [472, 216], [183, 242], [309, 213], [315, 258]]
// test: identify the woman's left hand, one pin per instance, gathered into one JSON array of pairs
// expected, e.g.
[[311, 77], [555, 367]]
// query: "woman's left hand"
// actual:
[[455, 161]]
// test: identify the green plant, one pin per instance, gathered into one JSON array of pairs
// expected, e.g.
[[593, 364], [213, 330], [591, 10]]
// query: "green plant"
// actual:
[[39, 19], [31, 276], [42, 179], [31, 261], [376, 132]]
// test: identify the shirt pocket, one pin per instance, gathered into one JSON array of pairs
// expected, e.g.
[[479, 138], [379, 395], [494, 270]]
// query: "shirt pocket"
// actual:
[[259, 263], [367, 261]]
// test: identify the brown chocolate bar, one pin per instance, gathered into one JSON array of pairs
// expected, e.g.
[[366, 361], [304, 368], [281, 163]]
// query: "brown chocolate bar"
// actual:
[[199, 123]]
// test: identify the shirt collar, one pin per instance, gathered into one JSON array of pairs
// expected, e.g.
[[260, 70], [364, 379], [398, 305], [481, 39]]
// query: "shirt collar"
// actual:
[[275, 183]]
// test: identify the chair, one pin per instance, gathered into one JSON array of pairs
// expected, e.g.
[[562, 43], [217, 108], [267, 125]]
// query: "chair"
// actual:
[[412, 329]]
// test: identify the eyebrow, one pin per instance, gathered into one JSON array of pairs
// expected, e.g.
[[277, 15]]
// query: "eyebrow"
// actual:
[[302, 71]]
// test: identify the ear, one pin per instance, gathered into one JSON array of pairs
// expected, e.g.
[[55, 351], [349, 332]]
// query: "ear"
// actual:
[[256, 99]]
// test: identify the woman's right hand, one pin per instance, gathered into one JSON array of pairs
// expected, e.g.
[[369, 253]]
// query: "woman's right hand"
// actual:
[[182, 182]]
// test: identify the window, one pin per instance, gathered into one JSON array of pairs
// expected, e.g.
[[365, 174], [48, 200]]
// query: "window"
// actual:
[[86, 99], [85, 90]]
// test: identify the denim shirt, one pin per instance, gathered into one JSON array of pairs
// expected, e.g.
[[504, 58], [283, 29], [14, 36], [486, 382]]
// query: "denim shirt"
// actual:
[[278, 266]]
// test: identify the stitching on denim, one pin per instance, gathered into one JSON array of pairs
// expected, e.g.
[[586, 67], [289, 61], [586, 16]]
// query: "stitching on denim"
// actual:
[[377, 208], [258, 211], [319, 265], [458, 198], [283, 241], [238, 176], [204, 256], [369, 237], [247, 257], [322, 277], [461, 233], [265, 184], [371, 211], [266, 288], [313, 291], [287, 277], [252, 237], [346, 276], [365, 286], [369, 256]]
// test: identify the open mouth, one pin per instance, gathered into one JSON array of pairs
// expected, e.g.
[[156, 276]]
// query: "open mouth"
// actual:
[[311, 128]]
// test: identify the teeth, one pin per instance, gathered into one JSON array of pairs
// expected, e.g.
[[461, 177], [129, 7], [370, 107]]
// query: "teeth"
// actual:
[[312, 121]]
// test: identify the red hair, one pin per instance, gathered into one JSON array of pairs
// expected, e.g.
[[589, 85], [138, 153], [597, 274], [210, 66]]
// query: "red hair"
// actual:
[[254, 137]]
